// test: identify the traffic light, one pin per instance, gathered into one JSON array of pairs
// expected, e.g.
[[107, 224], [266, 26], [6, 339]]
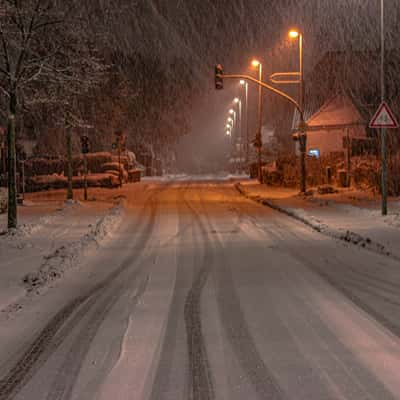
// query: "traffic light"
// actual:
[[219, 73], [85, 144]]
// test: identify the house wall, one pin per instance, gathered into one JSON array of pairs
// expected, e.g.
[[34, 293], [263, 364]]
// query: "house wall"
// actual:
[[331, 141]]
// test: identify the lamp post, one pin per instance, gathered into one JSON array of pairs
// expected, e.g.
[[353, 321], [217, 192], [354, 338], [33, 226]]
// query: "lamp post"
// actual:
[[233, 112], [238, 102], [228, 133], [302, 126], [258, 142], [246, 86]]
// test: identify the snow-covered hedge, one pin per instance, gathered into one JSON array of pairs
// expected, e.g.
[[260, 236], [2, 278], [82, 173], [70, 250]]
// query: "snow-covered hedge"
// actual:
[[95, 162], [48, 182], [3, 200]]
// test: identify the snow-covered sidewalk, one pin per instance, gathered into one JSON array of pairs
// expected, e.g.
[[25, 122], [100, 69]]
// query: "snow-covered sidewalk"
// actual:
[[349, 215], [51, 239]]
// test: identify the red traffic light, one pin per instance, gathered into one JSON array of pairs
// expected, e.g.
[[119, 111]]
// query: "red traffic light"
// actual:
[[219, 73], [85, 144]]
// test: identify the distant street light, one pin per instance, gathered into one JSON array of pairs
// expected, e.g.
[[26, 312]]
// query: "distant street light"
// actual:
[[238, 102], [246, 85], [295, 34], [258, 142]]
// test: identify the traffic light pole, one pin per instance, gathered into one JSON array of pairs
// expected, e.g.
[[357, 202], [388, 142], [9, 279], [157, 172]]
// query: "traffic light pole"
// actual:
[[302, 125]]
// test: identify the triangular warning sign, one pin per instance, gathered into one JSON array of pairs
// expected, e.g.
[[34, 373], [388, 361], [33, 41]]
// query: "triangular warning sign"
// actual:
[[384, 118]]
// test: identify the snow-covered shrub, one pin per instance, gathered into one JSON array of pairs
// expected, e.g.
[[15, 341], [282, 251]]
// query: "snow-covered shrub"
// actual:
[[3, 200]]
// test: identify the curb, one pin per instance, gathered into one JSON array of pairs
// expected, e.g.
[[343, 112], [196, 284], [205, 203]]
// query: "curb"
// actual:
[[347, 237]]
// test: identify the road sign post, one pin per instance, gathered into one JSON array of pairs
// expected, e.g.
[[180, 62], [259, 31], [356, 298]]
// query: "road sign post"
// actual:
[[384, 119]]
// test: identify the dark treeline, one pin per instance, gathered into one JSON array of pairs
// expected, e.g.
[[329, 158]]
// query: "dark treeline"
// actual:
[[138, 65]]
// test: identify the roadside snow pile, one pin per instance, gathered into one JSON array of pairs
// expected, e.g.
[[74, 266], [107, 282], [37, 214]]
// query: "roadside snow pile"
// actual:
[[3, 200], [69, 256], [24, 231], [316, 224], [393, 220]]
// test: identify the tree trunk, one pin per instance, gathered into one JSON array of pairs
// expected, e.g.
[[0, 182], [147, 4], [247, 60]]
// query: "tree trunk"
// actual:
[[70, 193], [12, 164]]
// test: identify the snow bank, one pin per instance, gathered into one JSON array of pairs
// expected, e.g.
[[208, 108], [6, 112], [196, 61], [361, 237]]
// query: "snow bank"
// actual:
[[70, 255], [322, 226], [23, 231]]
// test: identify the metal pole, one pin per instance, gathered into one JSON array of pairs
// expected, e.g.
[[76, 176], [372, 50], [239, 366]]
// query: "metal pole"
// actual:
[[383, 130], [247, 124], [70, 193], [348, 157], [303, 133], [259, 137], [241, 137], [85, 184], [119, 162], [23, 179]]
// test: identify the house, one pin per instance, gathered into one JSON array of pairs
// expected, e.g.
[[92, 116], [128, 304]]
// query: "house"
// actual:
[[342, 94], [335, 124]]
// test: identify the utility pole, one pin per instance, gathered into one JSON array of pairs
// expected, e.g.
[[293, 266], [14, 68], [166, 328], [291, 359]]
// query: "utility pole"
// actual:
[[383, 130]]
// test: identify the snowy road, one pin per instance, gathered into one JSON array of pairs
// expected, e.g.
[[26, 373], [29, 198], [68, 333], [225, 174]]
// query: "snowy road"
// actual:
[[206, 295]]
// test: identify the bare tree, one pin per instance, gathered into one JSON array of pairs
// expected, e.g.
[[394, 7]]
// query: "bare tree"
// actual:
[[44, 60]]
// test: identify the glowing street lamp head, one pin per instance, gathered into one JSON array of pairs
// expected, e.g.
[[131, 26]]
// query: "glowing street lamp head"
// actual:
[[228, 133], [242, 82], [230, 119], [228, 126], [294, 34], [255, 63], [231, 111], [236, 100]]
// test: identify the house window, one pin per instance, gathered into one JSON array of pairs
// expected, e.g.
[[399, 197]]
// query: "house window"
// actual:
[[314, 153]]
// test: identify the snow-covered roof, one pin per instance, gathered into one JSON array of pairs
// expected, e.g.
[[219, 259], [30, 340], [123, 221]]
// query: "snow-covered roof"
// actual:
[[339, 110]]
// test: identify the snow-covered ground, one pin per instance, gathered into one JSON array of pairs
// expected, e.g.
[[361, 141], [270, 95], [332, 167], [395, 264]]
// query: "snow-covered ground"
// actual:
[[205, 294], [52, 237], [349, 215]]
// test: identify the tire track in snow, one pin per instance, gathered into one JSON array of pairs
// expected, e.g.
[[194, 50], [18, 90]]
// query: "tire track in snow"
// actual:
[[201, 384], [58, 328], [236, 327], [188, 302]]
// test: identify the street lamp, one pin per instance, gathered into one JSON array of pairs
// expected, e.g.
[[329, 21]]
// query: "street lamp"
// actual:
[[238, 102], [257, 64], [246, 85], [295, 34]]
